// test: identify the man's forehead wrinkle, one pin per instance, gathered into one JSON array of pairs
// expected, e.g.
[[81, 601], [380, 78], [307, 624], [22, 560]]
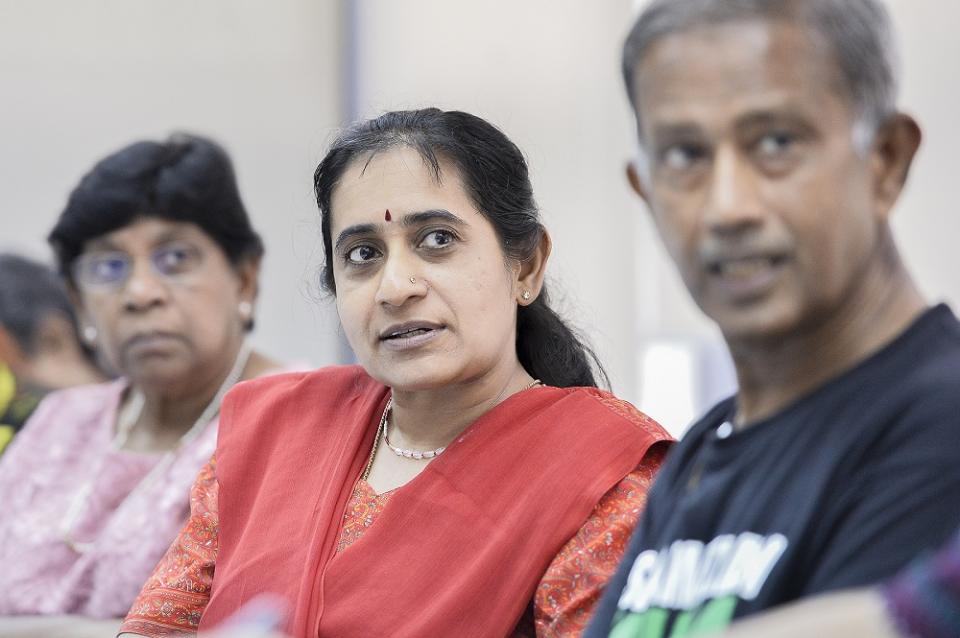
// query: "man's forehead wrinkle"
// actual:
[[692, 70]]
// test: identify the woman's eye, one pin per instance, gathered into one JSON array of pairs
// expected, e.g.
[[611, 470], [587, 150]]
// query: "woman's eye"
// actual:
[[362, 254], [437, 239], [175, 259], [108, 269]]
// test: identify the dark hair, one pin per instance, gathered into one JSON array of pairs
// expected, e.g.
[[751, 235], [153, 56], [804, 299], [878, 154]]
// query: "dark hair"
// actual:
[[858, 33], [494, 174], [30, 292], [187, 178]]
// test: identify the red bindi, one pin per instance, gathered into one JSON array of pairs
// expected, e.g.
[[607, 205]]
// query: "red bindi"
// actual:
[[387, 217]]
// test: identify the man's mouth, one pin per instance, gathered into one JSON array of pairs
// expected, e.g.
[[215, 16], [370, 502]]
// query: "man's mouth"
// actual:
[[745, 267], [747, 277]]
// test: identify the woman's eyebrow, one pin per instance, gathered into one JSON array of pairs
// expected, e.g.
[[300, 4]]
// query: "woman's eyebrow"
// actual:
[[436, 214], [352, 231], [101, 245]]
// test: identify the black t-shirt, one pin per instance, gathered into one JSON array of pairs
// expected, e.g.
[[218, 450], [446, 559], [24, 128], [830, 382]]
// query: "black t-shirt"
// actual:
[[840, 489]]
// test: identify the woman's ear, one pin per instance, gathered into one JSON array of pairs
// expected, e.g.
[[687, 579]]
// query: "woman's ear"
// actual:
[[248, 277], [88, 331], [533, 270], [248, 274], [10, 352]]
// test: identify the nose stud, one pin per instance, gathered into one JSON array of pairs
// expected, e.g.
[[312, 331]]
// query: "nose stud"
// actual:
[[413, 280]]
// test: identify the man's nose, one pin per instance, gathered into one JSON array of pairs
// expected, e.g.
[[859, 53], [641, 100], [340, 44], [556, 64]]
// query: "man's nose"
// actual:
[[733, 201]]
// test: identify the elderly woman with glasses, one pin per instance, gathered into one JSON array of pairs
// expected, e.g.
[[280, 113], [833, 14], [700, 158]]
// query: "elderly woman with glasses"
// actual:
[[162, 263]]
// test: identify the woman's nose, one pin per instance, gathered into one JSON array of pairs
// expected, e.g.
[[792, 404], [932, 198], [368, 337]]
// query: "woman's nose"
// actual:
[[399, 282], [144, 287]]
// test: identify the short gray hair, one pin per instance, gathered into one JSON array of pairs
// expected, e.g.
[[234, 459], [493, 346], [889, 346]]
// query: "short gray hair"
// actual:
[[858, 31]]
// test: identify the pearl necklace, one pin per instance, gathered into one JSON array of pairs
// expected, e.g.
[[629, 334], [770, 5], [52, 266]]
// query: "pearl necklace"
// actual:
[[382, 434], [423, 454], [408, 454]]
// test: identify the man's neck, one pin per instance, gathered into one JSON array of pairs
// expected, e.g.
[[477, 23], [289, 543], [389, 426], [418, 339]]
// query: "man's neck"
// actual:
[[773, 374]]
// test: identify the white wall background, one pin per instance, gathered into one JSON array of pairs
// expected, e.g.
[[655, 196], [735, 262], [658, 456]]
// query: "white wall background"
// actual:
[[80, 78]]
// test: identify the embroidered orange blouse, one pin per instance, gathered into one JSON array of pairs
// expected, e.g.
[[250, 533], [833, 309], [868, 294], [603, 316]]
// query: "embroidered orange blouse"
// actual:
[[174, 597]]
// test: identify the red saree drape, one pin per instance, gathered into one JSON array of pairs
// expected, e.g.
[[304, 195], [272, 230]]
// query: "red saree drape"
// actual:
[[458, 551]]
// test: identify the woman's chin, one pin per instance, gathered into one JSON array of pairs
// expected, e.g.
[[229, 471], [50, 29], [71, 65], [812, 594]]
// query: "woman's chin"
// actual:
[[414, 380], [158, 374]]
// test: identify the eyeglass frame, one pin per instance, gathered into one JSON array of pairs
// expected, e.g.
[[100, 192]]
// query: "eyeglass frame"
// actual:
[[168, 274]]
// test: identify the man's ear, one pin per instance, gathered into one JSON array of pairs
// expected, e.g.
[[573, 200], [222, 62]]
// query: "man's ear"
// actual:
[[635, 178], [533, 271], [892, 154]]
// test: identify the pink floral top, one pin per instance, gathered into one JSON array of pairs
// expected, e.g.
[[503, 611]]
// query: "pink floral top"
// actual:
[[125, 525]]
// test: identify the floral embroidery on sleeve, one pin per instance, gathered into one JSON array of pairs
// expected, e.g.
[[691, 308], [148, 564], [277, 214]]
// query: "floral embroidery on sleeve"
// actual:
[[173, 599], [571, 587]]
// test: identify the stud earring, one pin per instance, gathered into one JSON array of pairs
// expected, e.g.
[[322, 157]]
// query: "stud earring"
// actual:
[[526, 295], [245, 309], [89, 333]]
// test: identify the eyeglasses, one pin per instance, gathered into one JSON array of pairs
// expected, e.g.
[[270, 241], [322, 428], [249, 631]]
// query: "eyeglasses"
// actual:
[[109, 270]]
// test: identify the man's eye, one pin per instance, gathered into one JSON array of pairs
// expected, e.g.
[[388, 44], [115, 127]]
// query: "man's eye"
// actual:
[[437, 239], [681, 156], [362, 254], [773, 144]]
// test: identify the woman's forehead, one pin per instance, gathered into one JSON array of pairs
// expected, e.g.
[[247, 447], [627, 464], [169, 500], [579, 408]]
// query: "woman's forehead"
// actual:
[[147, 231], [399, 180]]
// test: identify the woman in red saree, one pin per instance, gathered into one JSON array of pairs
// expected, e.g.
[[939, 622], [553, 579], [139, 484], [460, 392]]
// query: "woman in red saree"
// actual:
[[467, 478]]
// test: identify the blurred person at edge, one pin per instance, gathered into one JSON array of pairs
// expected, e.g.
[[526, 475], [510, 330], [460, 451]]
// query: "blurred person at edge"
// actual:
[[467, 478], [771, 155], [160, 256], [40, 346], [923, 601]]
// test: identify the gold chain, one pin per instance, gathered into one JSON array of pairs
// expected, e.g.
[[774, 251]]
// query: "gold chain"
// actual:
[[376, 444]]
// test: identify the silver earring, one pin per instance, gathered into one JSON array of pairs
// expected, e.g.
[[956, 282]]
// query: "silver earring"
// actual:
[[89, 333], [413, 280], [526, 295], [245, 309]]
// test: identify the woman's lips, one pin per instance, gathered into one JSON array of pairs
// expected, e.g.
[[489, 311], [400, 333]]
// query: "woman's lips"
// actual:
[[152, 343], [409, 336]]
